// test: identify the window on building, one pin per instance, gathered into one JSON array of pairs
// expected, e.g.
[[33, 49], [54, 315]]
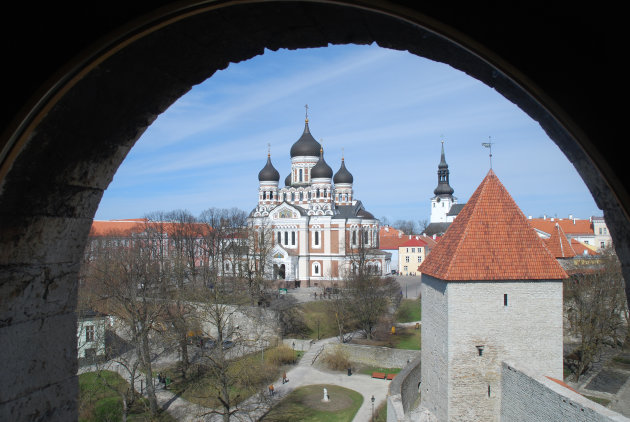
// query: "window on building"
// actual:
[[279, 238], [316, 238], [479, 350], [406, 259], [354, 237], [505, 299], [286, 238], [488, 390], [89, 333], [316, 268], [419, 259], [293, 238], [405, 268], [413, 250], [602, 244], [300, 175]]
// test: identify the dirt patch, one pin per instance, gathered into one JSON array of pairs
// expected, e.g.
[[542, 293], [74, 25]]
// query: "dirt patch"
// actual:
[[313, 395]]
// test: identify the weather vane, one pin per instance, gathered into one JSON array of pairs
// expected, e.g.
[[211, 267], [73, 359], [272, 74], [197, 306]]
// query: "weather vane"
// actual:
[[488, 145]]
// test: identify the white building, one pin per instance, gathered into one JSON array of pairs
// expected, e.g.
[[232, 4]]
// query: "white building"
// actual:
[[491, 293], [318, 227], [91, 334]]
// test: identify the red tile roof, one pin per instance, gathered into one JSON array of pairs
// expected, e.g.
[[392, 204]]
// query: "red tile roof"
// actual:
[[564, 384], [571, 227], [414, 242], [559, 245], [128, 227], [491, 240]]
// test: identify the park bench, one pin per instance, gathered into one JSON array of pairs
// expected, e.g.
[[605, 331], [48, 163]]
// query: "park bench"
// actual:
[[391, 376], [380, 375]]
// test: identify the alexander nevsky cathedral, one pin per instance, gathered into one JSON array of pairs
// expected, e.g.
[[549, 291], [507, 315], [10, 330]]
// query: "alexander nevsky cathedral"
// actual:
[[320, 231]]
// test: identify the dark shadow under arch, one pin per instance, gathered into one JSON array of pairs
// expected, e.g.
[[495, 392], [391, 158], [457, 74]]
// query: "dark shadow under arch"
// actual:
[[61, 151]]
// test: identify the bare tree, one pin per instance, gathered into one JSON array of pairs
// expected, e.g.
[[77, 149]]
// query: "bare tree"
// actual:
[[366, 295], [595, 306], [127, 275]]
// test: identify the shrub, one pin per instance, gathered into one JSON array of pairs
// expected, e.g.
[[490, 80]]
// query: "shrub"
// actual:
[[281, 355], [336, 360]]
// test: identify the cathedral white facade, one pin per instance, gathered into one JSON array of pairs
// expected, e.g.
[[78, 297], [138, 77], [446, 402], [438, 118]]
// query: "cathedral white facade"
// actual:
[[320, 231]]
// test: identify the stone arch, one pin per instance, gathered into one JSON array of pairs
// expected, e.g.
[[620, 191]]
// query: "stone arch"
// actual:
[[62, 148]]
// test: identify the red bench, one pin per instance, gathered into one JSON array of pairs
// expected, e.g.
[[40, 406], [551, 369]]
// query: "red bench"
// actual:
[[390, 376], [380, 375]]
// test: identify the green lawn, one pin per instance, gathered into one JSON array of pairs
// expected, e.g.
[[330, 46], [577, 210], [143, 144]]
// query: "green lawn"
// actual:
[[367, 370], [406, 338], [249, 375], [305, 404], [97, 402], [318, 319], [410, 310]]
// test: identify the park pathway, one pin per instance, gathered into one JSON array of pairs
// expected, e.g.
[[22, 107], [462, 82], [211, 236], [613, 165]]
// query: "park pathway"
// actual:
[[302, 374]]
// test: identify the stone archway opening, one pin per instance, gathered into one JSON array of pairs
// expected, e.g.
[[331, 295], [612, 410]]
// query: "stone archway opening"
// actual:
[[62, 154]]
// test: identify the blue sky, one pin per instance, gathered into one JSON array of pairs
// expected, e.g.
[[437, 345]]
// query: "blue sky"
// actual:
[[387, 110]]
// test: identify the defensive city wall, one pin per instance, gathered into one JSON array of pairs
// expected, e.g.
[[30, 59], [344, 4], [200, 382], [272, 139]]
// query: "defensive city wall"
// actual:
[[525, 397]]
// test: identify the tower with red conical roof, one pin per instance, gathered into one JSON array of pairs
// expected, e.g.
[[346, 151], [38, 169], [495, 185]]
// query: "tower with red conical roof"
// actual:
[[491, 292]]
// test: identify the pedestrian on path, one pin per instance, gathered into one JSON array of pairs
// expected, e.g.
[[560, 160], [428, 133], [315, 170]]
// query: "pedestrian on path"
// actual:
[[271, 390], [284, 378]]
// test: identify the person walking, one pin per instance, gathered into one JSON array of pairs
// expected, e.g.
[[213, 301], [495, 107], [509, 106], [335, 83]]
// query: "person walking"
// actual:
[[271, 390], [284, 378]]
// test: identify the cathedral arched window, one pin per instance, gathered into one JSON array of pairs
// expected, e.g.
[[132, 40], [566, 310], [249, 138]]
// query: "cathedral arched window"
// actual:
[[300, 176], [354, 237], [279, 238], [286, 238], [293, 238]]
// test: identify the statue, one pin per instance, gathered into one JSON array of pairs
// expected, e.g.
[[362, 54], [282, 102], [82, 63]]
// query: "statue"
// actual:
[[325, 395]]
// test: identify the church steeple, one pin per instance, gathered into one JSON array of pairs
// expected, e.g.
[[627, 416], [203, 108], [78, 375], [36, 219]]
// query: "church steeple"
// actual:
[[443, 200], [443, 187]]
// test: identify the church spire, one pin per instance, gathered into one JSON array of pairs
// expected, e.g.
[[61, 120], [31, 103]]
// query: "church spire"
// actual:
[[443, 187]]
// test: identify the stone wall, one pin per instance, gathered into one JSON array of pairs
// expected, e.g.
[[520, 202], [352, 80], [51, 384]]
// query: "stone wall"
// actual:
[[527, 397], [404, 391], [383, 357]]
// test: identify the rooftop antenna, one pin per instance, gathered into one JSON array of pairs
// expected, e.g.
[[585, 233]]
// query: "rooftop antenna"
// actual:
[[488, 145]]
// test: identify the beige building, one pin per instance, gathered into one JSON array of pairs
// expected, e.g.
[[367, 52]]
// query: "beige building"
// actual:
[[410, 255]]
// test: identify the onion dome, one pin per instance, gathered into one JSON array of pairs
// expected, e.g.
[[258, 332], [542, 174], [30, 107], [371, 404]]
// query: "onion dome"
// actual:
[[306, 145], [287, 180], [343, 175], [321, 170], [268, 173]]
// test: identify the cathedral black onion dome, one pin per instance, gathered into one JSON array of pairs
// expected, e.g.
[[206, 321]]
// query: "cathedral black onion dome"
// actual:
[[287, 180], [343, 175], [321, 170], [269, 173], [306, 145]]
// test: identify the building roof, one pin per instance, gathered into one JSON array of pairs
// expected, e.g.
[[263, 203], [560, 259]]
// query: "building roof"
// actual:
[[455, 209], [269, 172], [415, 241], [436, 229], [491, 240], [558, 244], [570, 226], [130, 227]]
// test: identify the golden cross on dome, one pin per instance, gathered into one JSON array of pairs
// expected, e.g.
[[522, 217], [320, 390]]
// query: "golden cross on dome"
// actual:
[[306, 113], [268, 149]]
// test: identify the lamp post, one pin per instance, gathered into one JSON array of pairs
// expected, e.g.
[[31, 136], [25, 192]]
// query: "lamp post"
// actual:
[[372, 407]]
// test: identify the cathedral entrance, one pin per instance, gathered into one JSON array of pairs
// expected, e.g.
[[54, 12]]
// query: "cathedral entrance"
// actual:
[[278, 272]]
